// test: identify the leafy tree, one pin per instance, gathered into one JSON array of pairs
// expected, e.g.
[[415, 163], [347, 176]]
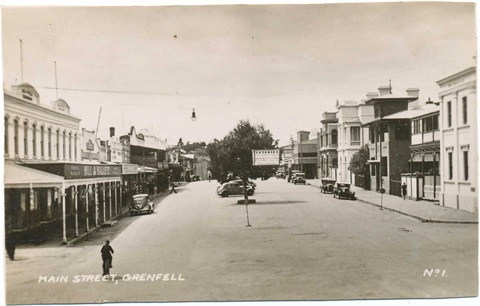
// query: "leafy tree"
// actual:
[[358, 163], [189, 147], [233, 154]]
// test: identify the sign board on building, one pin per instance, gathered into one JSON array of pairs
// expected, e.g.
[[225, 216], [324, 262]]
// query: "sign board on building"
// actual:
[[266, 157]]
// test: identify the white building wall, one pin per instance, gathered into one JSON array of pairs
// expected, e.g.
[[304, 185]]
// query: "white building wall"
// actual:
[[34, 113], [457, 192]]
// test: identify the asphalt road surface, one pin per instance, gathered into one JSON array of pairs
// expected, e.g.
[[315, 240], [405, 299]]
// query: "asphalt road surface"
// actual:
[[302, 245]]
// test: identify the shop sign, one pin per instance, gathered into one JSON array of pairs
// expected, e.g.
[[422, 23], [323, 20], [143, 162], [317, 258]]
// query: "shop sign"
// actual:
[[129, 169], [86, 171]]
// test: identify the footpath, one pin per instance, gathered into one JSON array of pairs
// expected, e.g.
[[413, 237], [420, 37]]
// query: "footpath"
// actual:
[[424, 211]]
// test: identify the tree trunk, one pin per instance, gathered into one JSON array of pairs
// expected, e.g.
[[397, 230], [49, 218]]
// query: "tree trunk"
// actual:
[[245, 181]]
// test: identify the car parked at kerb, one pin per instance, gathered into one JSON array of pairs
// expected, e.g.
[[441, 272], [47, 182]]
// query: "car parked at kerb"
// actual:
[[141, 203], [342, 190]]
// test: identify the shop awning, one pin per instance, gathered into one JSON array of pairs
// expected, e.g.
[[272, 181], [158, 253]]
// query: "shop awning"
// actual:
[[150, 170], [17, 176]]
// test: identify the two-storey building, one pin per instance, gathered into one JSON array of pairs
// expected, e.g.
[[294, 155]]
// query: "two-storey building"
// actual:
[[305, 154], [48, 189], [351, 135], [423, 179], [327, 144], [458, 140], [389, 138]]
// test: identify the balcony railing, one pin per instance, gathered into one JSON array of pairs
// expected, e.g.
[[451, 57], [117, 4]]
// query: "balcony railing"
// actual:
[[354, 143]]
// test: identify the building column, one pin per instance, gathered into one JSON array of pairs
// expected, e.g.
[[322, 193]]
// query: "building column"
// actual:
[[95, 189], [31, 203], [75, 194], [110, 199], [104, 206], [434, 175], [121, 197], [87, 188], [116, 204], [423, 175], [64, 214]]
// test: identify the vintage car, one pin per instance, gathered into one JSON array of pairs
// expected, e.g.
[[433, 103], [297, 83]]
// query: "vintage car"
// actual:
[[280, 174], [249, 183], [292, 175], [327, 185], [342, 190], [234, 188], [299, 178], [141, 203]]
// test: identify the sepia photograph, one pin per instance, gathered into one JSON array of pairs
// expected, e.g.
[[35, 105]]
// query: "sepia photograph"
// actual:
[[240, 152]]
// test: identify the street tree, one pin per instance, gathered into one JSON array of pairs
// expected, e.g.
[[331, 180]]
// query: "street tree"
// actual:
[[358, 163], [233, 154]]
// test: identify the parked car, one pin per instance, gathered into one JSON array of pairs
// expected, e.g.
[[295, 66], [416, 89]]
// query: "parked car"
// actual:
[[234, 188], [141, 203], [328, 185], [292, 175], [250, 183], [342, 190], [195, 178], [280, 174], [299, 178]]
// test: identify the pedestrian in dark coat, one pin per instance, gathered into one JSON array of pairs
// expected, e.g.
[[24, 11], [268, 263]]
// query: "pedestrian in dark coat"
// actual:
[[404, 191], [173, 188], [107, 252]]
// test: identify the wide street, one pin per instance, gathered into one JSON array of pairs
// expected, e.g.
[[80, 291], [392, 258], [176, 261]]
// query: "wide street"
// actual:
[[302, 245]]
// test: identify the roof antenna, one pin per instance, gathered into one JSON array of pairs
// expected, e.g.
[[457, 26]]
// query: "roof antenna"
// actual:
[[390, 86]]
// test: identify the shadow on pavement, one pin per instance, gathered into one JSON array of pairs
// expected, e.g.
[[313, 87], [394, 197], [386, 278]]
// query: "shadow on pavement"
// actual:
[[274, 202]]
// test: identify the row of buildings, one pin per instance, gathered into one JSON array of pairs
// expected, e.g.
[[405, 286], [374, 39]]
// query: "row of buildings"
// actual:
[[62, 180], [430, 146]]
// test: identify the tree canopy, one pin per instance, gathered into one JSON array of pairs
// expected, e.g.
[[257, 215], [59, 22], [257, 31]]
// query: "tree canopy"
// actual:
[[233, 154], [358, 163]]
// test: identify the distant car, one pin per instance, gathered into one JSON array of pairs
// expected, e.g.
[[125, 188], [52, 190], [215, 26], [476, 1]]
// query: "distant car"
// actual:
[[328, 185], [280, 174], [292, 175], [195, 178], [299, 178], [250, 183], [234, 188], [342, 190], [141, 203]]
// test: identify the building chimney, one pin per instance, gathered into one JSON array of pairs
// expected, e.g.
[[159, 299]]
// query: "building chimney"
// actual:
[[371, 95], [302, 135], [384, 90], [112, 131], [413, 92]]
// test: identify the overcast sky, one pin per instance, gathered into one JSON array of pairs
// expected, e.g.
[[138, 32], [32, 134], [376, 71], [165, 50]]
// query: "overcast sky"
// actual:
[[278, 65]]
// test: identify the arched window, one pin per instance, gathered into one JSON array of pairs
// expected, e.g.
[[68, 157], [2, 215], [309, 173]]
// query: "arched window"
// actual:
[[34, 140], [70, 145], [64, 145], [6, 136], [42, 141], [49, 142], [15, 136], [25, 138], [58, 144], [334, 136]]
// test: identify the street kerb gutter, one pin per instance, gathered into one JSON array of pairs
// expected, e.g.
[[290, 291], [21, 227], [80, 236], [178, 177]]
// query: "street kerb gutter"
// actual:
[[413, 216], [83, 236]]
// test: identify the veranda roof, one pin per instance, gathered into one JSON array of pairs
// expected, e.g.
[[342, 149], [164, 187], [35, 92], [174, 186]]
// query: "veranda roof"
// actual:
[[17, 176]]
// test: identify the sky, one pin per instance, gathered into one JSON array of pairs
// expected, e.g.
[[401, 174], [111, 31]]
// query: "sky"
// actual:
[[277, 65]]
